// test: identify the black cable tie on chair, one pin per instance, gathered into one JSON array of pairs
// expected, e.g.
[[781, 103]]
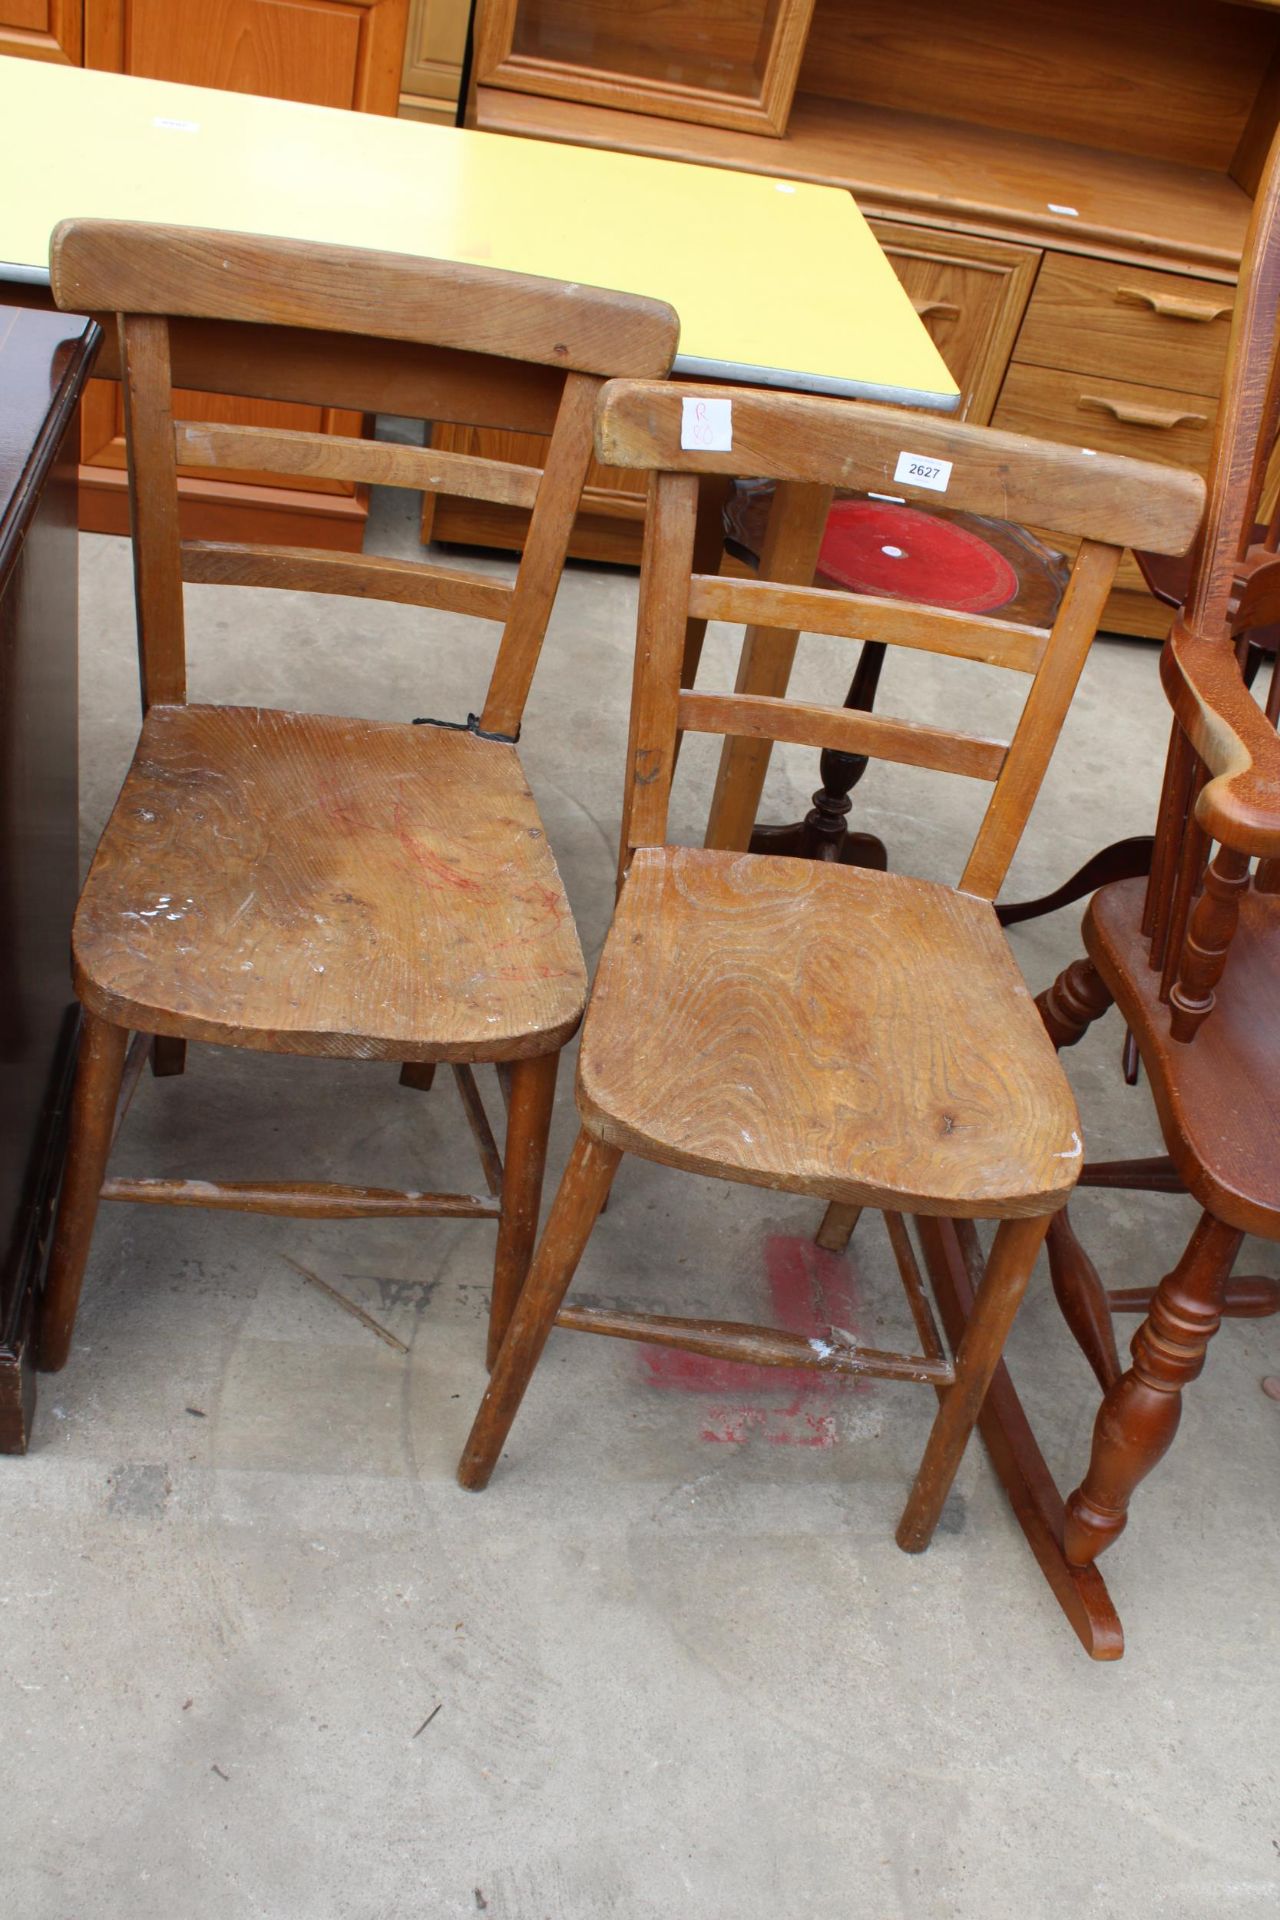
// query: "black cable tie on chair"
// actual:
[[470, 725]]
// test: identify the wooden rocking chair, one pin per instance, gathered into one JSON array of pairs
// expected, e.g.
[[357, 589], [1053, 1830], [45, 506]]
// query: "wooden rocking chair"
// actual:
[[1192, 958]]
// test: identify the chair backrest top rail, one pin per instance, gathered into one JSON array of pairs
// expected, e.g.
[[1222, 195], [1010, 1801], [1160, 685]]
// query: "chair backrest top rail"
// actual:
[[782, 436], [427, 338], [141, 268]]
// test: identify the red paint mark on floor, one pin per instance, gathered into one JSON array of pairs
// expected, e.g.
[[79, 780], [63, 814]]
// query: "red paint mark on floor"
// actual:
[[808, 1292], [779, 1426]]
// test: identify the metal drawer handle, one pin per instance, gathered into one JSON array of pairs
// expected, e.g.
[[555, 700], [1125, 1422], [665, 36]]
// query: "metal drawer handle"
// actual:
[[1174, 306], [1130, 414], [941, 309]]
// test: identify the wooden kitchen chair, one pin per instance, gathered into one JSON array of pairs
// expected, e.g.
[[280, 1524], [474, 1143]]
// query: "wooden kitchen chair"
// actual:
[[1191, 957], [854, 1035], [307, 884]]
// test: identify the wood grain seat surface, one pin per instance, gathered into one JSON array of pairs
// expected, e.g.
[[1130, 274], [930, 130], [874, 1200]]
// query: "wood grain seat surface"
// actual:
[[319, 885], [1218, 1098], [861, 1036]]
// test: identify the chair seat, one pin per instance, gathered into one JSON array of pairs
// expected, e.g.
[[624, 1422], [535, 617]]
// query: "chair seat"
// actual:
[[859, 1036], [1218, 1097], [318, 885]]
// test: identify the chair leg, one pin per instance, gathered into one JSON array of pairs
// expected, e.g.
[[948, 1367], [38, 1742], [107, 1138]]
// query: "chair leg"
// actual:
[[1077, 998], [1078, 1289], [168, 1055], [533, 1092], [838, 1223], [1013, 1255], [573, 1214], [93, 1109], [1139, 1416], [418, 1074]]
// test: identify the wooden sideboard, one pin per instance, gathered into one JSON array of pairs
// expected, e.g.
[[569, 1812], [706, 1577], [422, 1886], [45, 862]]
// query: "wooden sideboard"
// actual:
[[337, 53], [1064, 187], [433, 55], [44, 363]]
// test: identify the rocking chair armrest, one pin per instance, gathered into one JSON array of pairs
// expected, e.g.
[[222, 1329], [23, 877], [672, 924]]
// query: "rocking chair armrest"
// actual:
[[1240, 803], [1257, 601]]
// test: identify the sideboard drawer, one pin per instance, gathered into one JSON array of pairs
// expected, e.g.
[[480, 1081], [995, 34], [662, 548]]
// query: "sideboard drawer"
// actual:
[[971, 295], [1151, 423], [1162, 328]]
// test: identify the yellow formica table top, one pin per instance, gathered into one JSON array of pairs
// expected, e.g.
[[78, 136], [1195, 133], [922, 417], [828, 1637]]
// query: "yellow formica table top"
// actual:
[[776, 282]]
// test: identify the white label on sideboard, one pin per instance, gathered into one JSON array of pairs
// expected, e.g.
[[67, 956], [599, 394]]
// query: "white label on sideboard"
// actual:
[[917, 470], [707, 425]]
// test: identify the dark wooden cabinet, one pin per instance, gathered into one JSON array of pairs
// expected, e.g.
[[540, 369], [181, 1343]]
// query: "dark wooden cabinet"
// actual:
[[44, 362]]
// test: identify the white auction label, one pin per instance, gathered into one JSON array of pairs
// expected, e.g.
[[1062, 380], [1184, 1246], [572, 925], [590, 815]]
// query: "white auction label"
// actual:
[[918, 470], [707, 425]]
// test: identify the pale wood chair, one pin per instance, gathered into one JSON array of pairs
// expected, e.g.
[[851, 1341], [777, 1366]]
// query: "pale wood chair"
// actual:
[[854, 1035], [307, 884]]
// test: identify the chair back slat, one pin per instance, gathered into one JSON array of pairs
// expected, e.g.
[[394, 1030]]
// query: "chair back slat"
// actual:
[[643, 426], [542, 561], [860, 616], [1037, 731], [366, 577], [443, 384], [909, 743], [1191, 860], [361, 331], [326, 456], [666, 561], [789, 553], [153, 508]]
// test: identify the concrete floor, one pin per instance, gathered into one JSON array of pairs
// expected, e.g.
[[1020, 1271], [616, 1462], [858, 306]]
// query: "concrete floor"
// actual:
[[676, 1664]]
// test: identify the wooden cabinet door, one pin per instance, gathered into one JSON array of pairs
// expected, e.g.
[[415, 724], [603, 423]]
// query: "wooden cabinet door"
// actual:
[[331, 53], [715, 63], [971, 295], [43, 29], [433, 53]]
